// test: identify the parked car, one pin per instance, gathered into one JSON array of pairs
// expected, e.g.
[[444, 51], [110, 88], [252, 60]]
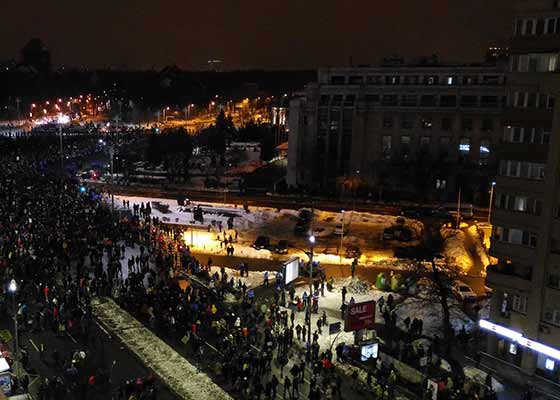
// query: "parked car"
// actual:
[[281, 247], [441, 213], [389, 233], [411, 212], [466, 211], [305, 215], [339, 230], [353, 252], [301, 228], [398, 232], [262, 242], [463, 291]]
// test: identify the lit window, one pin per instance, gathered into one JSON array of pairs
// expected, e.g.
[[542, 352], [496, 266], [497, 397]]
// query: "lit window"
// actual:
[[465, 145], [549, 364]]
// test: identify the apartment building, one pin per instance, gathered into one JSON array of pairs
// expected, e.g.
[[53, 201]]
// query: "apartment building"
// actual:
[[525, 307], [409, 126]]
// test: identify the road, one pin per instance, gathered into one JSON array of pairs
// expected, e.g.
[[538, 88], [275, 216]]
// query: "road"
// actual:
[[259, 200], [102, 351], [272, 201]]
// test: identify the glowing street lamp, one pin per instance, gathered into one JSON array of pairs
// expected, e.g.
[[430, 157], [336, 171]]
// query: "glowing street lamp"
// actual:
[[309, 298], [12, 288]]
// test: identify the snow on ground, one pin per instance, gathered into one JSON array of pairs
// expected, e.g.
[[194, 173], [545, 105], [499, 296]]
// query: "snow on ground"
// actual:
[[175, 371], [431, 315], [363, 291], [364, 230], [255, 278]]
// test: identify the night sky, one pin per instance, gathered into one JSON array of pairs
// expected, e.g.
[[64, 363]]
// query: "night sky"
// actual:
[[250, 33]]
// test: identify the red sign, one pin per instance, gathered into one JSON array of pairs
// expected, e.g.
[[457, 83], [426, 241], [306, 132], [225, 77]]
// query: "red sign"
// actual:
[[360, 316]]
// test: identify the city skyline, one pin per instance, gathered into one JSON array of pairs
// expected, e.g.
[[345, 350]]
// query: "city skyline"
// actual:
[[252, 35]]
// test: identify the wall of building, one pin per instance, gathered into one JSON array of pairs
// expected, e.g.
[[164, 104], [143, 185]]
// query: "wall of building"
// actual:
[[372, 121]]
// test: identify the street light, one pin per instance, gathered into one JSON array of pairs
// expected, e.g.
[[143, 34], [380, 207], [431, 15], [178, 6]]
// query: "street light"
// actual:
[[491, 198], [164, 110], [312, 245], [341, 238], [12, 288]]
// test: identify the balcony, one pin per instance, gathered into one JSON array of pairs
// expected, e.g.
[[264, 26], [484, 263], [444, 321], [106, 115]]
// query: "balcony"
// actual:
[[504, 277], [525, 185], [522, 152], [527, 116], [535, 44], [520, 219], [522, 254]]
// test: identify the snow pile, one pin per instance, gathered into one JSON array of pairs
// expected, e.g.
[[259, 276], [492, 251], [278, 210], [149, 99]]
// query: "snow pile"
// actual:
[[395, 264], [255, 278], [479, 246], [454, 249], [356, 286], [174, 370]]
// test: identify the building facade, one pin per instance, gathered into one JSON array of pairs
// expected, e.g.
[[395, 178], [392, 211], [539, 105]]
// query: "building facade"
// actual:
[[404, 127], [526, 227]]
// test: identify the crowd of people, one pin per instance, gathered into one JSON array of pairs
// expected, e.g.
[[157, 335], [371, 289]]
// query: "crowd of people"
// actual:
[[64, 246]]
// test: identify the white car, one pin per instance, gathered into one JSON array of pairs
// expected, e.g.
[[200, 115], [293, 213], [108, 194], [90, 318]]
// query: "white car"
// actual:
[[464, 292]]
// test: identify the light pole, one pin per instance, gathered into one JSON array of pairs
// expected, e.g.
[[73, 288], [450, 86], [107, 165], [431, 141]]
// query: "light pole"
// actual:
[[341, 238], [354, 188], [491, 198], [61, 150], [312, 245], [12, 288]]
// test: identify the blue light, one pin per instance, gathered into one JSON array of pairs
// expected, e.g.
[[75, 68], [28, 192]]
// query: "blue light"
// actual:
[[82, 189]]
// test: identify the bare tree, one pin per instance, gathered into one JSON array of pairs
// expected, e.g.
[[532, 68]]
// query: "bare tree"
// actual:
[[439, 273]]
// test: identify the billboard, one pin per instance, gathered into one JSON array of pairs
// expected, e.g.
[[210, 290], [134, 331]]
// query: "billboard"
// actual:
[[291, 270], [368, 351], [360, 316]]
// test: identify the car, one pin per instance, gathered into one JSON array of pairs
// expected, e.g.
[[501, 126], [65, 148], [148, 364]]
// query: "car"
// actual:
[[441, 213], [339, 230], [411, 212], [305, 215], [262, 242], [463, 291], [389, 233], [353, 252], [398, 232], [301, 228], [403, 233], [466, 210], [281, 247]]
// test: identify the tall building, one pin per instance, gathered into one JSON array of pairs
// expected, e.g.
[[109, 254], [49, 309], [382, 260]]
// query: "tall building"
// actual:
[[405, 127], [525, 306]]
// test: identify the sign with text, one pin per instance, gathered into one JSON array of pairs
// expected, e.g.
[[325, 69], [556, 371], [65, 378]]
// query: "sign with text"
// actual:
[[360, 316]]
